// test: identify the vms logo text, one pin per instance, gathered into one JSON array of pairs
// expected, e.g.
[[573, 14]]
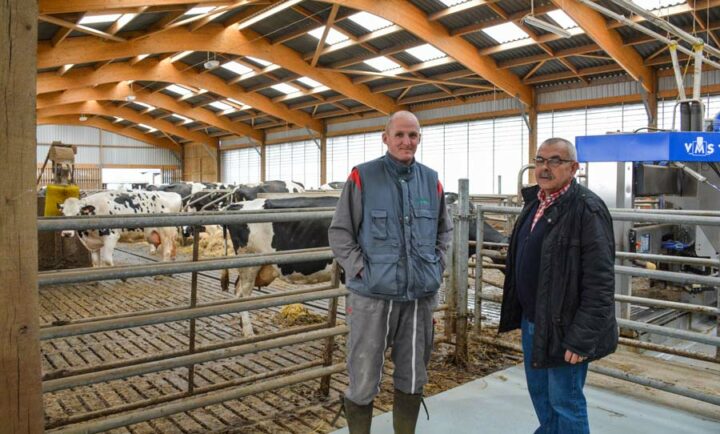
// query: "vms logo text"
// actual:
[[699, 148]]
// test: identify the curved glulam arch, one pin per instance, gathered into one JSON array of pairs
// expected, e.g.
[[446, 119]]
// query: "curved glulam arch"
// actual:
[[93, 107], [166, 71], [108, 126], [216, 38], [118, 92]]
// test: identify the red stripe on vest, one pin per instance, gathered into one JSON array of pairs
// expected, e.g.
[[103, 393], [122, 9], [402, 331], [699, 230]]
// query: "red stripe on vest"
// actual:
[[440, 189], [355, 177]]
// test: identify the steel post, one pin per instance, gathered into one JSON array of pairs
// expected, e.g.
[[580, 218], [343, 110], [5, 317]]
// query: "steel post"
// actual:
[[480, 238], [462, 228]]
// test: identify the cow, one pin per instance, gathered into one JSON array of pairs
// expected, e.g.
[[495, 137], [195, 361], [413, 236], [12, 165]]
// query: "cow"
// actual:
[[277, 237], [101, 243], [283, 236], [330, 186]]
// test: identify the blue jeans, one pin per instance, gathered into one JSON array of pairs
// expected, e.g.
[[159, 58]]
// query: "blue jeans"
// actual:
[[556, 393]]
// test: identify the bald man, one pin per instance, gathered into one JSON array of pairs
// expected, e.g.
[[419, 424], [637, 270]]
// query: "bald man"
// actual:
[[390, 233]]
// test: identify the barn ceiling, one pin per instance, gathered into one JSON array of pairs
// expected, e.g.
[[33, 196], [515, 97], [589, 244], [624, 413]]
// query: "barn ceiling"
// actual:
[[175, 72]]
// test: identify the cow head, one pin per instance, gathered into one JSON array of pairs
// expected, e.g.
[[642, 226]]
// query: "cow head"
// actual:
[[74, 207]]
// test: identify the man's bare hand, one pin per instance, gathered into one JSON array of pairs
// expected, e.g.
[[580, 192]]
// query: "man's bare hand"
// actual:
[[573, 358]]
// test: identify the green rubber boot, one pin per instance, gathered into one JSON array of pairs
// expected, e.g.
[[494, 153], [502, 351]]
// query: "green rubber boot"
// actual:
[[359, 417], [405, 412]]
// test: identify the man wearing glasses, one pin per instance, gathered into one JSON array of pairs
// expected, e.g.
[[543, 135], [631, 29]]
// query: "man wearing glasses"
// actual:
[[559, 288]]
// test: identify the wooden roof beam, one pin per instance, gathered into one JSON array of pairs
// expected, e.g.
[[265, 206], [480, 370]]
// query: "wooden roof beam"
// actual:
[[69, 6], [609, 40], [111, 127], [95, 108], [79, 28], [118, 92], [154, 70], [452, 10], [416, 22], [225, 40]]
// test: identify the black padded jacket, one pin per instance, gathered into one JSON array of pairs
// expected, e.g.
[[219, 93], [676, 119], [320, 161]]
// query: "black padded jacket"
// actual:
[[575, 308]]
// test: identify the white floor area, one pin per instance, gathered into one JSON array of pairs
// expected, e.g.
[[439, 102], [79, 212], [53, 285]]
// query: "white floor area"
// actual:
[[500, 404]]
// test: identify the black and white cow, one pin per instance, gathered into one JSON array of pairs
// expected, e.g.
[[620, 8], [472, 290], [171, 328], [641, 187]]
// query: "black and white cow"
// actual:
[[101, 243], [283, 236], [278, 237], [330, 186]]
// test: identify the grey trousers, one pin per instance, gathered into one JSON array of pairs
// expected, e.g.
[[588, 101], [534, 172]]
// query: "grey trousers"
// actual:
[[377, 324]]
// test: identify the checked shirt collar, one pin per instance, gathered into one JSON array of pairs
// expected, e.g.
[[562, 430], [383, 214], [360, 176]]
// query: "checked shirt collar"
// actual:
[[545, 201]]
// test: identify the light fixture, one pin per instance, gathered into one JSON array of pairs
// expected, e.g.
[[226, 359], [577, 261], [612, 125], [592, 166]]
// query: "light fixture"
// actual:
[[534, 21], [130, 97], [83, 118], [211, 64]]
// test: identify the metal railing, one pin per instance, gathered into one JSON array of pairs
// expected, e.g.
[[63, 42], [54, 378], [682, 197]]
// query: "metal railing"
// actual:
[[458, 285], [193, 397]]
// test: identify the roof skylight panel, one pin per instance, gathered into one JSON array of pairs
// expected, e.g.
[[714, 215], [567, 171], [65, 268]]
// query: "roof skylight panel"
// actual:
[[149, 128], [562, 19], [284, 88], [147, 106], [259, 61], [235, 67], [309, 82], [383, 64], [222, 106], [369, 21], [333, 36], [239, 104], [657, 4], [182, 118], [425, 52], [179, 90], [506, 32], [97, 19], [449, 3], [200, 10]]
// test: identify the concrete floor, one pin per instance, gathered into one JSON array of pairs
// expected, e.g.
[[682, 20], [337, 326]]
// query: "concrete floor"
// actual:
[[499, 403]]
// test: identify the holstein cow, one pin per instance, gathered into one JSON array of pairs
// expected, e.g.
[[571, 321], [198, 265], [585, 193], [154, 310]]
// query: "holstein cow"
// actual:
[[277, 237], [330, 186], [101, 243]]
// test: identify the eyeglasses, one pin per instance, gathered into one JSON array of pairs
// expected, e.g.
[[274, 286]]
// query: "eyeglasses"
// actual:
[[551, 162]]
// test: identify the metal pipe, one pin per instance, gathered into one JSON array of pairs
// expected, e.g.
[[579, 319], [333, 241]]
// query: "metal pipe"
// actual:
[[615, 373], [669, 259], [480, 237], [178, 308], [63, 373], [199, 401], [676, 69], [694, 212], [331, 322], [182, 219], [462, 228], [673, 333], [708, 310], [655, 384], [520, 177], [185, 314], [178, 395], [669, 276], [665, 349], [80, 275], [642, 29], [190, 359]]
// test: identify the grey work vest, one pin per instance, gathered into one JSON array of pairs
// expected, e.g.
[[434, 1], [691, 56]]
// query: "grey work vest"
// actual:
[[398, 233]]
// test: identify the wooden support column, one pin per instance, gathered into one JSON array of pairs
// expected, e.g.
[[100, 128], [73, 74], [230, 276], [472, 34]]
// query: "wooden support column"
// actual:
[[323, 155], [20, 388], [533, 138], [653, 102]]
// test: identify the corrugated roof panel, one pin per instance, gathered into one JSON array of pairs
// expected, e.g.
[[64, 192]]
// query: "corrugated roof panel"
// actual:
[[581, 62], [290, 28], [429, 6], [518, 53], [421, 90], [480, 39], [646, 50], [46, 31], [443, 69], [394, 39], [522, 70], [278, 22], [143, 21], [353, 52], [515, 6], [305, 44], [565, 43], [550, 67], [467, 17]]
